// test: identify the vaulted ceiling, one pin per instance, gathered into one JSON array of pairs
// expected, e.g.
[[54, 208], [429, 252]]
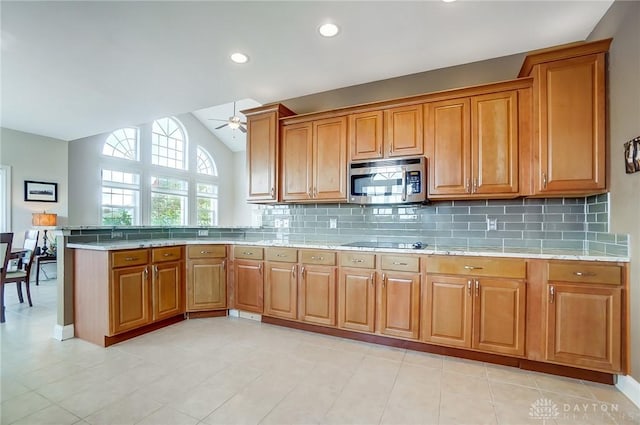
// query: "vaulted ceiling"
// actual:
[[79, 68]]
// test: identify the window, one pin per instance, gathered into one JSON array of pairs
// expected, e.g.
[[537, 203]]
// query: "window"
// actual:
[[205, 163], [120, 198], [169, 198], [122, 143], [207, 200], [168, 144]]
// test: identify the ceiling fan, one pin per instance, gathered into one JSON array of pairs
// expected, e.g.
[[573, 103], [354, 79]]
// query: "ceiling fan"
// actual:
[[233, 122]]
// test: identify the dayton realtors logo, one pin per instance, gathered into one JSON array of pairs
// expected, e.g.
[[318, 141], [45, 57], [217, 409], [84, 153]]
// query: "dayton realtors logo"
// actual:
[[545, 409]]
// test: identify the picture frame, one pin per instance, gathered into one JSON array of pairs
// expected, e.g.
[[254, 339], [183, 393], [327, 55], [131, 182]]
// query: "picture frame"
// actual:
[[35, 191]]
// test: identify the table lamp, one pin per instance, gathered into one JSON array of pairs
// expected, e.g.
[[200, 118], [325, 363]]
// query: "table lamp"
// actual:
[[44, 219]]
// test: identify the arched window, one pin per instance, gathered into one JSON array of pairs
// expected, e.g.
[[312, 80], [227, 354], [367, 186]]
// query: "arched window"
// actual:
[[122, 143], [206, 165], [168, 144]]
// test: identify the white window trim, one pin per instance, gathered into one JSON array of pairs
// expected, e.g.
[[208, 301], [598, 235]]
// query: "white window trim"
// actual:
[[5, 200]]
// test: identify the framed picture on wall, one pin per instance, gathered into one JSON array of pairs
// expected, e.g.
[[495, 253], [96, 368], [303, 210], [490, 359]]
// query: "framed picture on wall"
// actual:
[[40, 191]]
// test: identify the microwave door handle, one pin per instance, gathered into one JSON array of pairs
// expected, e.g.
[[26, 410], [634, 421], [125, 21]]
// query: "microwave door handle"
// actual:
[[404, 184]]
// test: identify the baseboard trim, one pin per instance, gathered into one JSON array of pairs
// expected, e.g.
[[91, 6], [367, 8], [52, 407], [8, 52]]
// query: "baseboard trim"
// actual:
[[629, 387], [63, 332]]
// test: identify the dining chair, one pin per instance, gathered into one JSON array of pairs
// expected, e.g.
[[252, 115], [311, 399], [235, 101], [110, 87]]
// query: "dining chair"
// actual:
[[6, 239], [23, 274]]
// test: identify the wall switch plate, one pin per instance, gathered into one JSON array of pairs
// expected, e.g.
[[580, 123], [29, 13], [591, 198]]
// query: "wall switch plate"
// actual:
[[333, 223], [203, 232], [492, 224], [277, 223], [115, 235]]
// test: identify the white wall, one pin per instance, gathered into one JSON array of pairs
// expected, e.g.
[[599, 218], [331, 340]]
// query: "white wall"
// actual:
[[85, 164], [39, 158]]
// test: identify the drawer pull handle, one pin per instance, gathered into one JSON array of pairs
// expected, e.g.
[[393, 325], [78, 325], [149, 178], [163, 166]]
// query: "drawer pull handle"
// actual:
[[247, 253], [384, 279], [357, 260], [552, 293], [584, 274], [398, 263], [131, 258], [472, 268], [317, 258], [281, 255], [293, 271], [167, 255], [469, 287], [205, 252], [477, 287], [372, 278]]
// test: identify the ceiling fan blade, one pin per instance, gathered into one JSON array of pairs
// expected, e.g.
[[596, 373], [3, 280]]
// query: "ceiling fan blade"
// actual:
[[243, 123], [244, 130], [223, 125], [216, 119]]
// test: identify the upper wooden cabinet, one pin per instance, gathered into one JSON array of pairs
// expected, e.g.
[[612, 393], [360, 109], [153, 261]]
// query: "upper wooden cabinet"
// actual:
[[262, 151], [569, 111], [314, 160], [389, 133], [472, 145]]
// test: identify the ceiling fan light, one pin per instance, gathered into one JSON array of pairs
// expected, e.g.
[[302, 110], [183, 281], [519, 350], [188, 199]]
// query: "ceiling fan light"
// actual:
[[234, 125]]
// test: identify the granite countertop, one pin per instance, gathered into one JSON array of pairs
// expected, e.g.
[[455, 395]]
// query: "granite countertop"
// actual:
[[548, 254]]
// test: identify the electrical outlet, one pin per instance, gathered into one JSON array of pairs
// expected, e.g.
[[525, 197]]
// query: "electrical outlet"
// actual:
[[203, 232], [285, 223], [333, 223], [115, 235], [492, 224], [277, 223]]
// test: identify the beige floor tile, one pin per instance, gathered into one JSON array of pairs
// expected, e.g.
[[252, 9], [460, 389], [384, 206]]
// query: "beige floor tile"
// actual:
[[10, 387], [561, 385], [125, 411], [91, 400], [389, 353], [610, 394], [423, 359], [514, 395], [356, 408], [456, 409], [426, 381], [168, 416], [465, 385], [465, 367], [306, 404], [575, 410], [52, 415], [22, 405], [52, 373], [414, 399], [510, 375], [509, 414]]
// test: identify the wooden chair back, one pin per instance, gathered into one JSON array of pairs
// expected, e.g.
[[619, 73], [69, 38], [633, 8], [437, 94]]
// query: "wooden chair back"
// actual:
[[6, 239], [30, 243]]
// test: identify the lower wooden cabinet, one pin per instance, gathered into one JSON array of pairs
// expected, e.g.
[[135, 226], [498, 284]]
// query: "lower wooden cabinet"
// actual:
[[318, 294], [249, 285], [129, 299], [356, 299], [206, 284], [487, 314], [400, 304], [281, 290], [167, 290]]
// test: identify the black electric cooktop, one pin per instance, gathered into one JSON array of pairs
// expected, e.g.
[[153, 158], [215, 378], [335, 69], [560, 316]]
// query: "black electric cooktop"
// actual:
[[398, 245]]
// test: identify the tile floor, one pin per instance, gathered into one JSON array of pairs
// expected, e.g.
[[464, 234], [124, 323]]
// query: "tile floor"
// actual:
[[227, 371]]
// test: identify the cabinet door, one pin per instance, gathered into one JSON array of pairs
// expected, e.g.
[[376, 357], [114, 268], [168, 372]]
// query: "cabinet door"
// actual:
[[447, 310], [499, 316], [249, 285], [356, 299], [130, 302], [449, 147], [262, 159], [404, 134], [572, 125], [296, 162], [400, 304], [330, 159], [167, 290], [365, 135], [318, 295], [206, 285], [494, 143], [281, 290], [583, 326]]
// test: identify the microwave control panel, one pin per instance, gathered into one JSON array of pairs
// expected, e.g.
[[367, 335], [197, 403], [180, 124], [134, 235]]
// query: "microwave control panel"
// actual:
[[413, 182]]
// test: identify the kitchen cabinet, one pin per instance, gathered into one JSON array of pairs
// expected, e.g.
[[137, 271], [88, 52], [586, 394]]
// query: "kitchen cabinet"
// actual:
[[569, 157], [357, 292], [281, 283], [130, 299], [584, 315], [249, 279], [317, 290], [314, 160], [386, 133], [206, 277], [399, 289], [263, 135], [475, 303], [167, 282], [472, 144]]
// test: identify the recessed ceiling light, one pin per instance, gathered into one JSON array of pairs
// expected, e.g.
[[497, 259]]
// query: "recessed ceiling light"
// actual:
[[448, 1], [328, 30], [239, 57]]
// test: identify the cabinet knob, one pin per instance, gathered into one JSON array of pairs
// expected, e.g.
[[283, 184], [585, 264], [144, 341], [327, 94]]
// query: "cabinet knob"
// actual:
[[475, 185], [293, 271], [273, 192], [477, 288], [384, 279], [469, 287], [552, 294], [260, 268], [544, 180], [372, 278], [146, 272]]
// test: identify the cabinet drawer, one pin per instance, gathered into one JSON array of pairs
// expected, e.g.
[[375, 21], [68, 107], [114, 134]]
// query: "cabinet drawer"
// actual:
[[357, 259], [169, 253], [134, 257], [514, 268], [325, 258], [585, 273], [207, 251], [400, 263], [285, 255], [248, 252]]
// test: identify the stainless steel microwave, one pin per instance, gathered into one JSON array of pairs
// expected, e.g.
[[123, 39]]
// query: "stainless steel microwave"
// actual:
[[388, 181]]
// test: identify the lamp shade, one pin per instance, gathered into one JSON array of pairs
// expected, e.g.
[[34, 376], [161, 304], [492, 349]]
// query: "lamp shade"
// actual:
[[44, 219]]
